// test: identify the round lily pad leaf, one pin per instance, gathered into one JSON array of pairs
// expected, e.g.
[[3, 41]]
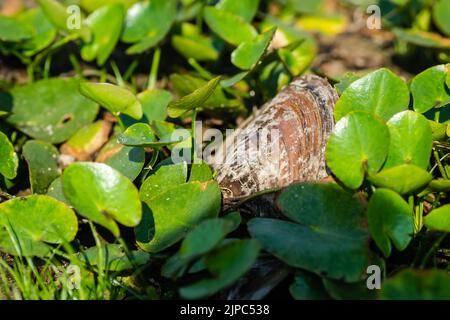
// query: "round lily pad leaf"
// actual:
[[328, 236], [114, 257], [440, 16], [403, 179], [55, 190], [429, 90], [164, 178], [147, 23], [51, 110], [225, 24], [412, 284], [36, 219], [358, 144], [59, 16], [87, 141], [114, 98], [247, 55], [198, 47], [411, 140], [439, 219], [103, 195], [9, 160], [200, 172], [154, 104], [390, 219], [43, 31], [246, 9], [193, 100], [228, 263], [176, 211], [42, 158], [139, 134], [205, 237], [380, 92], [11, 30], [308, 286], [127, 160]]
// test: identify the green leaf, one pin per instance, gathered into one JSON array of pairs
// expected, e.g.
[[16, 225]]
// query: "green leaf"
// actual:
[[206, 236], [106, 26], [327, 24], [340, 290], [51, 110], [42, 158], [60, 17], [200, 172], [33, 220], [163, 179], [380, 92], [429, 90], [440, 16], [92, 5], [154, 107], [55, 190], [175, 211], [307, 286], [11, 30], [404, 179], [422, 38], [147, 23], [9, 160], [193, 100], [390, 218], [114, 257], [154, 104], [412, 284], [328, 236], [225, 25], [439, 130], [88, 140], [114, 98], [358, 144], [247, 55], [441, 185], [184, 84], [141, 135], [439, 219], [411, 140], [227, 264], [129, 161], [102, 194], [246, 9], [198, 47], [43, 31]]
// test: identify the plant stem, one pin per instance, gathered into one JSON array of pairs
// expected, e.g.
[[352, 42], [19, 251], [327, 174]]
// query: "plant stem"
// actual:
[[433, 249], [154, 70], [119, 121], [194, 141], [117, 74], [438, 161]]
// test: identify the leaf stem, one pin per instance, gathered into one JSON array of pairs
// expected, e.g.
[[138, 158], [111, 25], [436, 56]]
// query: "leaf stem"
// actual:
[[193, 133], [433, 249], [154, 69]]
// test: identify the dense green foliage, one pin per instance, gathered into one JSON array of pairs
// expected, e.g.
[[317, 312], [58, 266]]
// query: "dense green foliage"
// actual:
[[92, 207]]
